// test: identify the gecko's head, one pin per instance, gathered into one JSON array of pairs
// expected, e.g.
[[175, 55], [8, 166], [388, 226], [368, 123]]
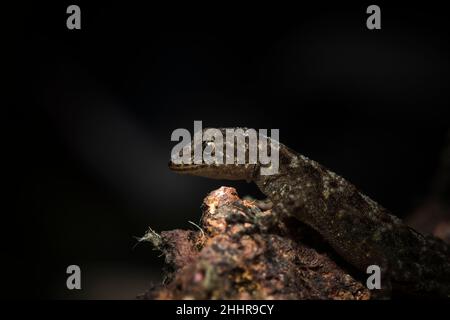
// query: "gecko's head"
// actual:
[[215, 156]]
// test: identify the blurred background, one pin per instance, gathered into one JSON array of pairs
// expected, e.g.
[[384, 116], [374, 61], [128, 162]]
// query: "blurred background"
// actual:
[[89, 128]]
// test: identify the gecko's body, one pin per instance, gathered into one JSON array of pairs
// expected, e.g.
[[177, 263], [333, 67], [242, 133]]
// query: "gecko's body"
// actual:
[[360, 230]]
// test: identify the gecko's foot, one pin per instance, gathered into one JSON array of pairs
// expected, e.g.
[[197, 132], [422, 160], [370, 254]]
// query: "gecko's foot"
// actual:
[[263, 205]]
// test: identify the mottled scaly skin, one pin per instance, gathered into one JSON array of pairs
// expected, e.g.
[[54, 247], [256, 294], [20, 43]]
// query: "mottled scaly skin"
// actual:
[[360, 230]]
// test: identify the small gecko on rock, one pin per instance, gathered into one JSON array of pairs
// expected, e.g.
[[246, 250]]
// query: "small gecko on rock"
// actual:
[[360, 230]]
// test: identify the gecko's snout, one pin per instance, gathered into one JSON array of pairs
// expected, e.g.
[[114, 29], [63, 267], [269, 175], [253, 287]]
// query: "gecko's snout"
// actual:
[[174, 166]]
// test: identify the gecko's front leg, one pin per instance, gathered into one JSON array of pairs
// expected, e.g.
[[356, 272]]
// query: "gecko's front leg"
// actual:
[[360, 230], [343, 228]]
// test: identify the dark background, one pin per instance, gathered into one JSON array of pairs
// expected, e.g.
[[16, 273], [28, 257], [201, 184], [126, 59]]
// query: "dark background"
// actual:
[[89, 132]]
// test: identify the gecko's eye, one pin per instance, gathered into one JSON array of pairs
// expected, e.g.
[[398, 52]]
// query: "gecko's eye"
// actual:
[[207, 145]]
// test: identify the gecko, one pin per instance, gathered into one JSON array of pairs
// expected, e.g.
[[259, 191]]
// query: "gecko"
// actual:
[[358, 229]]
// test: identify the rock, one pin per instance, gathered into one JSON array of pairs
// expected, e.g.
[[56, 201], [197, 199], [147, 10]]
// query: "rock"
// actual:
[[244, 252]]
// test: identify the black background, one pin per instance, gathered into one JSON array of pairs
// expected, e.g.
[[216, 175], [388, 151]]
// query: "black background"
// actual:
[[94, 110]]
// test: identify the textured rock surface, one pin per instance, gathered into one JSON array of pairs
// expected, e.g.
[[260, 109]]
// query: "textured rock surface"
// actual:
[[243, 251]]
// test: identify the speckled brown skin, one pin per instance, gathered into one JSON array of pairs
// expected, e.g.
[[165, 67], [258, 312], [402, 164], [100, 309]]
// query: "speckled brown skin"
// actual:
[[360, 230]]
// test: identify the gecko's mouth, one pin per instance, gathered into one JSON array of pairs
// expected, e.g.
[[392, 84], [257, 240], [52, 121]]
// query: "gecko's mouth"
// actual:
[[182, 167], [214, 171]]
